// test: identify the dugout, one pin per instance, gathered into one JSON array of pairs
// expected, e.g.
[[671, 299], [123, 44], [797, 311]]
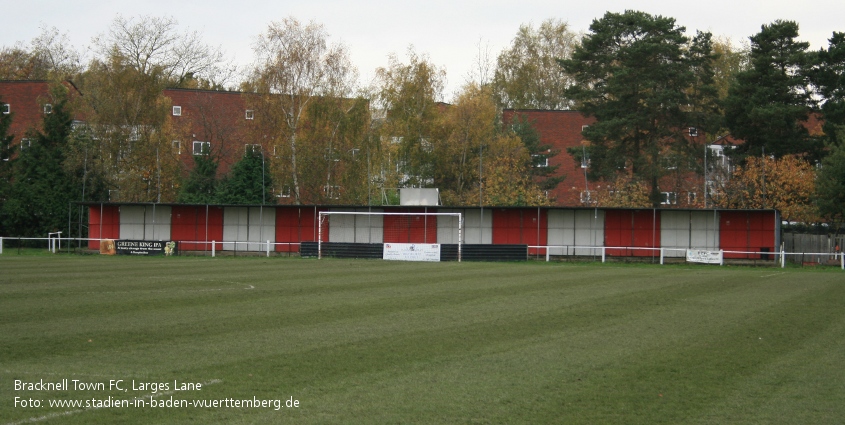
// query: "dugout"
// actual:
[[624, 232]]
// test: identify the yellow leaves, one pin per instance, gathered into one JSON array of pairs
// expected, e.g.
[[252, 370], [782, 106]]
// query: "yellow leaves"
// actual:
[[786, 184], [623, 192]]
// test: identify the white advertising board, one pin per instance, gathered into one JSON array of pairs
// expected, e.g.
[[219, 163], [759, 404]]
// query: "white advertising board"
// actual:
[[411, 252], [704, 256]]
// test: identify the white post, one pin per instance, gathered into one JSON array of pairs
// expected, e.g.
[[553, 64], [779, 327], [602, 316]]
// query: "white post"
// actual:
[[320, 236], [661, 256], [602, 254], [547, 254], [841, 255], [213, 248], [268, 247], [460, 233], [1, 245], [721, 257], [782, 259]]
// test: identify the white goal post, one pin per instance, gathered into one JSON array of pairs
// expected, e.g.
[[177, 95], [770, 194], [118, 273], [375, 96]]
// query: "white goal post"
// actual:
[[390, 228]]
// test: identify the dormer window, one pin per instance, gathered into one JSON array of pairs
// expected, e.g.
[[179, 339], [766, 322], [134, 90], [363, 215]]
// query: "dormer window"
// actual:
[[693, 132], [250, 114], [177, 111], [5, 108], [48, 108]]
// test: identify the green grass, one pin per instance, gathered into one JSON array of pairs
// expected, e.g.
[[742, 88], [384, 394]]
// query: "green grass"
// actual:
[[389, 342]]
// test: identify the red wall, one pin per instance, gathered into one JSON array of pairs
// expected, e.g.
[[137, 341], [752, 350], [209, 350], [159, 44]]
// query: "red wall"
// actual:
[[632, 228], [103, 226], [521, 226], [410, 229], [188, 223], [297, 224], [749, 231]]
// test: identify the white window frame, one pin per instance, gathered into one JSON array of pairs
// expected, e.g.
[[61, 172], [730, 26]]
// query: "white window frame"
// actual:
[[7, 109], [48, 108], [692, 197], [668, 198], [177, 146], [285, 192], [177, 111], [331, 191], [252, 147], [541, 164], [587, 197], [25, 144], [584, 127], [200, 144], [249, 114], [692, 131]]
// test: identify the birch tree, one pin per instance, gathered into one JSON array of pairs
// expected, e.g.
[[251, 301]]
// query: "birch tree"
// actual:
[[295, 67]]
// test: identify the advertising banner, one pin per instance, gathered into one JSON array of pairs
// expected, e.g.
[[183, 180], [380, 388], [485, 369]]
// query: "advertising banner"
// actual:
[[704, 256], [130, 247], [411, 252]]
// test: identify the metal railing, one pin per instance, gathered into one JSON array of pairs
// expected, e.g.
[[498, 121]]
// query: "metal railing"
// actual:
[[53, 244]]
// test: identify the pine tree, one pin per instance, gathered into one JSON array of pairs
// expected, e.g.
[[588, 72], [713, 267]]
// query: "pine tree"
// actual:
[[245, 184], [41, 190], [201, 185]]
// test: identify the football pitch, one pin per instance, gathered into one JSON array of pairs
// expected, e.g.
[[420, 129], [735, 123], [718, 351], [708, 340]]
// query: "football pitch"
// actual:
[[104, 340]]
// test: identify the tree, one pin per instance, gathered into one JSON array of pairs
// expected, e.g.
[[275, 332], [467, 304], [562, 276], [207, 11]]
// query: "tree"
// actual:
[[408, 95], [769, 103], [646, 83], [528, 75], [828, 76], [200, 187], [469, 125], [41, 190], [786, 184], [154, 45], [295, 68], [49, 56], [730, 61], [6, 150], [249, 182], [830, 184], [507, 178], [542, 171], [129, 132]]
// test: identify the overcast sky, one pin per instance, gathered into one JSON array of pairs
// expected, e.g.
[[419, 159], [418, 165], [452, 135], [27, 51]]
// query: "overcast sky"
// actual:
[[448, 31]]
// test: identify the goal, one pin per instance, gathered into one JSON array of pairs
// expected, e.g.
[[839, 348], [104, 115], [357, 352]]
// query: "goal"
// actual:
[[383, 231]]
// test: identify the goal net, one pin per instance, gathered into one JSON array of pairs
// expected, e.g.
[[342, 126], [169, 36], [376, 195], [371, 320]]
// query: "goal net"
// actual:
[[391, 235]]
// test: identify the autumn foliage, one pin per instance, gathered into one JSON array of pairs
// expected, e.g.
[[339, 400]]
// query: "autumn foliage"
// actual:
[[786, 184]]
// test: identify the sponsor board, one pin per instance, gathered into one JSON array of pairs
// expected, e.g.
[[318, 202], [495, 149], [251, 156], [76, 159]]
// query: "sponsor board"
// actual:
[[704, 256], [130, 247], [411, 252]]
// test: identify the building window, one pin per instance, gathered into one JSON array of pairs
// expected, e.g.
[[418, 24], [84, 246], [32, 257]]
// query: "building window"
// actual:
[[693, 132], [177, 111], [252, 148], [331, 192], [202, 148], [587, 197], [25, 144], [691, 198], [6, 108], [177, 147], [584, 127], [540, 160], [250, 114], [668, 198], [285, 192], [48, 108]]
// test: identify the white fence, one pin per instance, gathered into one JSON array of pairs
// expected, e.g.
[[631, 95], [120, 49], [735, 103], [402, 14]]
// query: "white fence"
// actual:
[[54, 244]]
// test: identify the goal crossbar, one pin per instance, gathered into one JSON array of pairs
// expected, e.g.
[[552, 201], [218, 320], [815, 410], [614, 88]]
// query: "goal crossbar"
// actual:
[[323, 214]]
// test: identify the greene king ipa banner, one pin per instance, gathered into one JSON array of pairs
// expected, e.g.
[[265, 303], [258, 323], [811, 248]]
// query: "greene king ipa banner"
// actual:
[[130, 247]]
